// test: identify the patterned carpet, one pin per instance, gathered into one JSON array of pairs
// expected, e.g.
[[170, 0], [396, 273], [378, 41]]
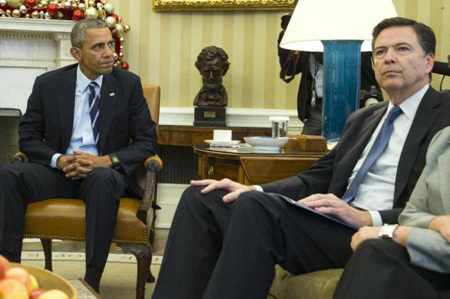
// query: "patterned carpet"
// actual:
[[120, 275]]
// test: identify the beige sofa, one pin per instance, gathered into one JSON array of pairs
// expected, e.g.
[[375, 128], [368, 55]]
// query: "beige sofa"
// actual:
[[315, 285]]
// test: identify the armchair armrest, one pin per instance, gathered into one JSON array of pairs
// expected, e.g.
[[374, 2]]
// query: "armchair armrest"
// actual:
[[19, 157], [152, 166]]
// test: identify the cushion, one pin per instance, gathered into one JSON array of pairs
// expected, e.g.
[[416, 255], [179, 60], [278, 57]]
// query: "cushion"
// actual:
[[315, 285]]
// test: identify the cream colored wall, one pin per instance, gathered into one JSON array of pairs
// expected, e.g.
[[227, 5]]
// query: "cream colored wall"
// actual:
[[162, 48]]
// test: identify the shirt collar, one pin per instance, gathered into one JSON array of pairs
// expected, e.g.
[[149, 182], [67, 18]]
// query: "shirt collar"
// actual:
[[410, 105], [83, 81]]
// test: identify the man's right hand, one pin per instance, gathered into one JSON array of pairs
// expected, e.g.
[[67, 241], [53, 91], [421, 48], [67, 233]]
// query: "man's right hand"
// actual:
[[235, 189], [64, 161]]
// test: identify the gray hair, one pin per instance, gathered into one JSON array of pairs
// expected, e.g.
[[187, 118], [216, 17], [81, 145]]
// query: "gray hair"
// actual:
[[78, 34]]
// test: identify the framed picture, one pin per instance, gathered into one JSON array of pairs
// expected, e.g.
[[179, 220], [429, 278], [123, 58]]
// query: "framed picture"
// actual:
[[199, 5]]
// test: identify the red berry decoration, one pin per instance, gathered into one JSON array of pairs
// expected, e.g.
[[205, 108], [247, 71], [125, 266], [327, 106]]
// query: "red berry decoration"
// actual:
[[115, 17], [77, 15], [52, 9], [124, 65], [30, 3]]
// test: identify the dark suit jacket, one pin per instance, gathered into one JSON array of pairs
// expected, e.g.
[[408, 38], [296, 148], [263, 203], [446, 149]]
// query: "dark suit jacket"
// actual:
[[295, 65], [46, 127], [331, 173]]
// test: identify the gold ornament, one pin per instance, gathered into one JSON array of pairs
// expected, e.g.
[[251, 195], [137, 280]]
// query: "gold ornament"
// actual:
[[23, 9], [126, 28], [67, 4], [115, 56], [119, 28], [14, 3], [102, 14], [99, 6], [110, 22], [35, 15], [120, 55], [3, 3], [121, 39], [16, 13], [91, 2], [8, 12], [81, 6], [109, 8], [91, 12], [27, 16], [2, 12]]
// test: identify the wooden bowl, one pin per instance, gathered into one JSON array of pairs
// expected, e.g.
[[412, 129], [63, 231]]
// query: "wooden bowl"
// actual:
[[49, 280]]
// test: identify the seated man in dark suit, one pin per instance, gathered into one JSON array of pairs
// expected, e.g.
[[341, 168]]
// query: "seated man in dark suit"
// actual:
[[76, 132], [226, 238], [411, 260]]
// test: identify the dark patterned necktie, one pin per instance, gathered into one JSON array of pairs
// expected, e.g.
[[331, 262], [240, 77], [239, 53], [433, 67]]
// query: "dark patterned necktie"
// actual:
[[375, 152], [94, 103]]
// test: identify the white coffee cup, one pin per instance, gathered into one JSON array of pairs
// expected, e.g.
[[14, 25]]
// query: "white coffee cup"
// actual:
[[222, 135]]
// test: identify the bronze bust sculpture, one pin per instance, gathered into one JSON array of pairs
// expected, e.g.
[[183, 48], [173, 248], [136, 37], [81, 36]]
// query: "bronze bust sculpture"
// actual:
[[212, 62]]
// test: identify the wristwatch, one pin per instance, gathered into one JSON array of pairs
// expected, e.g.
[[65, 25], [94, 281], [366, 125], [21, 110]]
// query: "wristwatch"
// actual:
[[115, 160], [387, 231]]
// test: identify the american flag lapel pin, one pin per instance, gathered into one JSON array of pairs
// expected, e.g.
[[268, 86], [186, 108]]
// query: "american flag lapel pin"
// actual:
[[111, 94]]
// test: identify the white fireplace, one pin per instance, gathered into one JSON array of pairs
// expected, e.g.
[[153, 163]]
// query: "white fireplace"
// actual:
[[28, 48]]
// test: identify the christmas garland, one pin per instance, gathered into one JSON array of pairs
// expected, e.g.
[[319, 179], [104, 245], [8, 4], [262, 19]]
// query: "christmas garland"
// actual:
[[71, 10]]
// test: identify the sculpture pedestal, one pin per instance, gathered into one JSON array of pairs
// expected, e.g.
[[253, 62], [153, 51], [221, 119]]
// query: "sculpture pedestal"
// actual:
[[210, 117]]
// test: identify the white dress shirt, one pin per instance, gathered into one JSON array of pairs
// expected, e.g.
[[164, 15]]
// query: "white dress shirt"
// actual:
[[376, 191], [82, 138]]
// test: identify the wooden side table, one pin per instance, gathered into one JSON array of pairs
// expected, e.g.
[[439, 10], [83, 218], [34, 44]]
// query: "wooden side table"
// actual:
[[190, 135], [247, 167]]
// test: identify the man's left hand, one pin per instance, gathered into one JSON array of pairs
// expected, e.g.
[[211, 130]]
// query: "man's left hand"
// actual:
[[364, 233], [85, 163], [332, 205]]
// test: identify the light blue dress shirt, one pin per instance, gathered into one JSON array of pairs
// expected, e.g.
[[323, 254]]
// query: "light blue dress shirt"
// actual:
[[82, 138]]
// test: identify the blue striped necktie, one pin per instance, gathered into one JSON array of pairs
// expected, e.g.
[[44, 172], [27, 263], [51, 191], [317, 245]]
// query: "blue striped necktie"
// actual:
[[94, 103], [377, 149]]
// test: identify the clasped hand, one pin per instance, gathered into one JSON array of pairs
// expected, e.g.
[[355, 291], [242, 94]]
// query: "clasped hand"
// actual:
[[332, 205], [78, 165]]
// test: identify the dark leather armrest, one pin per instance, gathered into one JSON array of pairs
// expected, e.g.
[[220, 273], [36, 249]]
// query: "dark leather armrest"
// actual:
[[19, 157], [152, 166]]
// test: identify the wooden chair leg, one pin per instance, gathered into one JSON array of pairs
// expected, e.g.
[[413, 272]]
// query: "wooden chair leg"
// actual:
[[143, 254], [47, 246]]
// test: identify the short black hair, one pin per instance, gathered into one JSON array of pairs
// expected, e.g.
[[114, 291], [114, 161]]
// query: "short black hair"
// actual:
[[425, 34]]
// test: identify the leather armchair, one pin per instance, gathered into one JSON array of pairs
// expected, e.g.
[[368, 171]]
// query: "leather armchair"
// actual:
[[65, 218]]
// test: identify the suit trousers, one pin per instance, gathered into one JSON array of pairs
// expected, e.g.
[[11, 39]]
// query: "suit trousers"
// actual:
[[228, 250], [24, 183], [381, 269]]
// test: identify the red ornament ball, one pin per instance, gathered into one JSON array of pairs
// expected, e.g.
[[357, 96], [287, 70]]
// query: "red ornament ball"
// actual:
[[77, 15], [30, 3], [52, 9], [124, 65], [115, 17]]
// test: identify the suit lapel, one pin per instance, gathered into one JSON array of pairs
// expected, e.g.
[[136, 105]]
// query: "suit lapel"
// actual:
[[424, 119], [353, 153], [109, 95], [66, 104]]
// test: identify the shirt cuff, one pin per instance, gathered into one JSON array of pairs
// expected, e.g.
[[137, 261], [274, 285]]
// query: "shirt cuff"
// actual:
[[376, 218], [54, 159], [258, 188]]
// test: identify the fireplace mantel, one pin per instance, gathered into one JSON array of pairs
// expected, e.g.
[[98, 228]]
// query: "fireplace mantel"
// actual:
[[28, 48]]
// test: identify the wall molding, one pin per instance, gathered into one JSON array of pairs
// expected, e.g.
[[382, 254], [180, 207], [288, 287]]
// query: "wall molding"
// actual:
[[236, 117]]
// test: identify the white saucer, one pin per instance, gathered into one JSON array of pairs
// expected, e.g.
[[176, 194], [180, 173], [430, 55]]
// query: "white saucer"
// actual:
[[271, 144], [222, 143]]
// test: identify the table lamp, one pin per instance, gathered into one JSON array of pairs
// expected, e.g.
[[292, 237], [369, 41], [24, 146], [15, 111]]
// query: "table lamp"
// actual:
[[340, 29]]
